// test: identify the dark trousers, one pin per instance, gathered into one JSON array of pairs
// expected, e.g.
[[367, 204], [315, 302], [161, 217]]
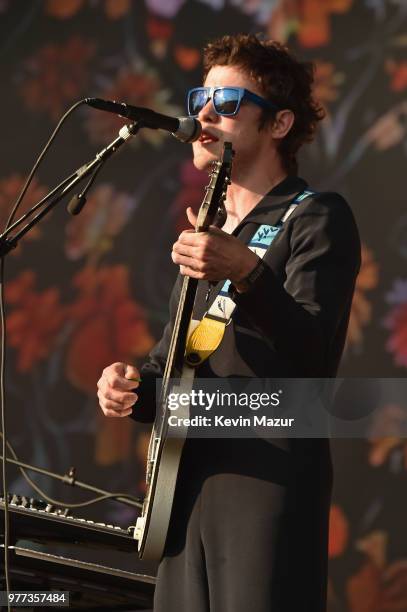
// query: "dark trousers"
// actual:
[[249, 528]]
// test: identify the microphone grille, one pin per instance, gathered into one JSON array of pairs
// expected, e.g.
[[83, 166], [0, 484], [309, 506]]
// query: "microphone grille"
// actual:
[[189, 129]]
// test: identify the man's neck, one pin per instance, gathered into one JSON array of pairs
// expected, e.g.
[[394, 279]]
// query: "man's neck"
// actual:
[[244, 194]]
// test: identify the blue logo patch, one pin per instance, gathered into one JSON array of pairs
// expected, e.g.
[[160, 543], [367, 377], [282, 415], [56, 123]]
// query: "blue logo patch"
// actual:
[[264, 236]]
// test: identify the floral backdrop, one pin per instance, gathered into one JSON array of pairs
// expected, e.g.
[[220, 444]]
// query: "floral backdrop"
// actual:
[[84, 291]]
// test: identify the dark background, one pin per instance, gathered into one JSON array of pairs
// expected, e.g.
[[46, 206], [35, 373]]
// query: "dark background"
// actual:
[[83, 292]]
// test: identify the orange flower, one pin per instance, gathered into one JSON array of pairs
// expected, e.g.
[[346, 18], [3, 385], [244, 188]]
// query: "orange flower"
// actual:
[[377, 587], [338, 532], [103, 217], [373, 589], [159, 33], [159, 28], [361, 312], [35, 322], [64, 9], [188, 58], [18, 290], [10, 188], [309, 19], [138, 88], [110, 326], [116, 9], [59, 70], [363, 589], [327, 82], [398, 74], [315, 20]]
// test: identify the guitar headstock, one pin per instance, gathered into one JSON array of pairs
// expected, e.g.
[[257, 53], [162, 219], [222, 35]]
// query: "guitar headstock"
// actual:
[[213, 206]]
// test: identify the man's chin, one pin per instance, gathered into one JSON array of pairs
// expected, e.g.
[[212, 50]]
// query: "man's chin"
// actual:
[[203, 162]]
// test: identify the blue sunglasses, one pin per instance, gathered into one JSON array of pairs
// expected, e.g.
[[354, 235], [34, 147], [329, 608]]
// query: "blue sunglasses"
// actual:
[[226, 100]]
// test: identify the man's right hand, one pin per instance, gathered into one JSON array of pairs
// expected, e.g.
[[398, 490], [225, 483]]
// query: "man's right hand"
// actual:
[[115, 386]]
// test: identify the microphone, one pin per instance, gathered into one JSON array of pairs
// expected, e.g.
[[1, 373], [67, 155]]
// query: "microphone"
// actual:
[[186, 129]]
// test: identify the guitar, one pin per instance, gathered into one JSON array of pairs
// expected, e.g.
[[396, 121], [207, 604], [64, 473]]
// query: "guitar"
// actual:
[[165, 448]]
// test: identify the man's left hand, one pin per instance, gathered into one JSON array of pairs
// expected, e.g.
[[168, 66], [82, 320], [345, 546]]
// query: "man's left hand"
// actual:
[[213, 255]]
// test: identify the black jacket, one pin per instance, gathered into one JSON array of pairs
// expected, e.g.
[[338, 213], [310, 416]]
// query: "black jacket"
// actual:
[[293, 321]]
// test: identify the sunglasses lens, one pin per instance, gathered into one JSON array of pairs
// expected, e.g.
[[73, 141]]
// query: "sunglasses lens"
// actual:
[[196, 101], [226, 100]]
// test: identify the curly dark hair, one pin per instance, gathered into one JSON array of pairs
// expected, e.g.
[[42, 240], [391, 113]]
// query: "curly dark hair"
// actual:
[[282, 79]]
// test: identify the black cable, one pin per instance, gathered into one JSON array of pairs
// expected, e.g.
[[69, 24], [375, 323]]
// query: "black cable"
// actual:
[[38, 205], [78, 201], [3, 429], [3, 341], [39, 160], [70, 480]]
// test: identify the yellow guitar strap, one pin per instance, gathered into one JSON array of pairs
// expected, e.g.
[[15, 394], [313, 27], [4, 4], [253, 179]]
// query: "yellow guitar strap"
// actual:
[[204, 339]]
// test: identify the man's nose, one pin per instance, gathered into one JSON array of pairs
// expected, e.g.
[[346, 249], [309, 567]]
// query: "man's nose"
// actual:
[[207, 113]]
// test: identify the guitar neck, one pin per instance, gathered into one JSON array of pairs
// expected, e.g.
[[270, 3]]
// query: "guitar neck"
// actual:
[[212, 204], [178, 340]]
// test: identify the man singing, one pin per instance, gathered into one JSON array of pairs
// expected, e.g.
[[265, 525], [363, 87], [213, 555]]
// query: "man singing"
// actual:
[[249, 525]]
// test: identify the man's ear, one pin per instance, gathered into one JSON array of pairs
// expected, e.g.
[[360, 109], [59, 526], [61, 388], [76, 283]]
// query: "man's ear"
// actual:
[[283, 123]]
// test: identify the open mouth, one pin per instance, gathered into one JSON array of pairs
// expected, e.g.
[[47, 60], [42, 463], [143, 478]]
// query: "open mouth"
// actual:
[[207, 138]]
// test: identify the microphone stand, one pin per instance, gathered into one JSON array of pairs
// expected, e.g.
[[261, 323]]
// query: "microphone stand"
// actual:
[[7, 244]]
